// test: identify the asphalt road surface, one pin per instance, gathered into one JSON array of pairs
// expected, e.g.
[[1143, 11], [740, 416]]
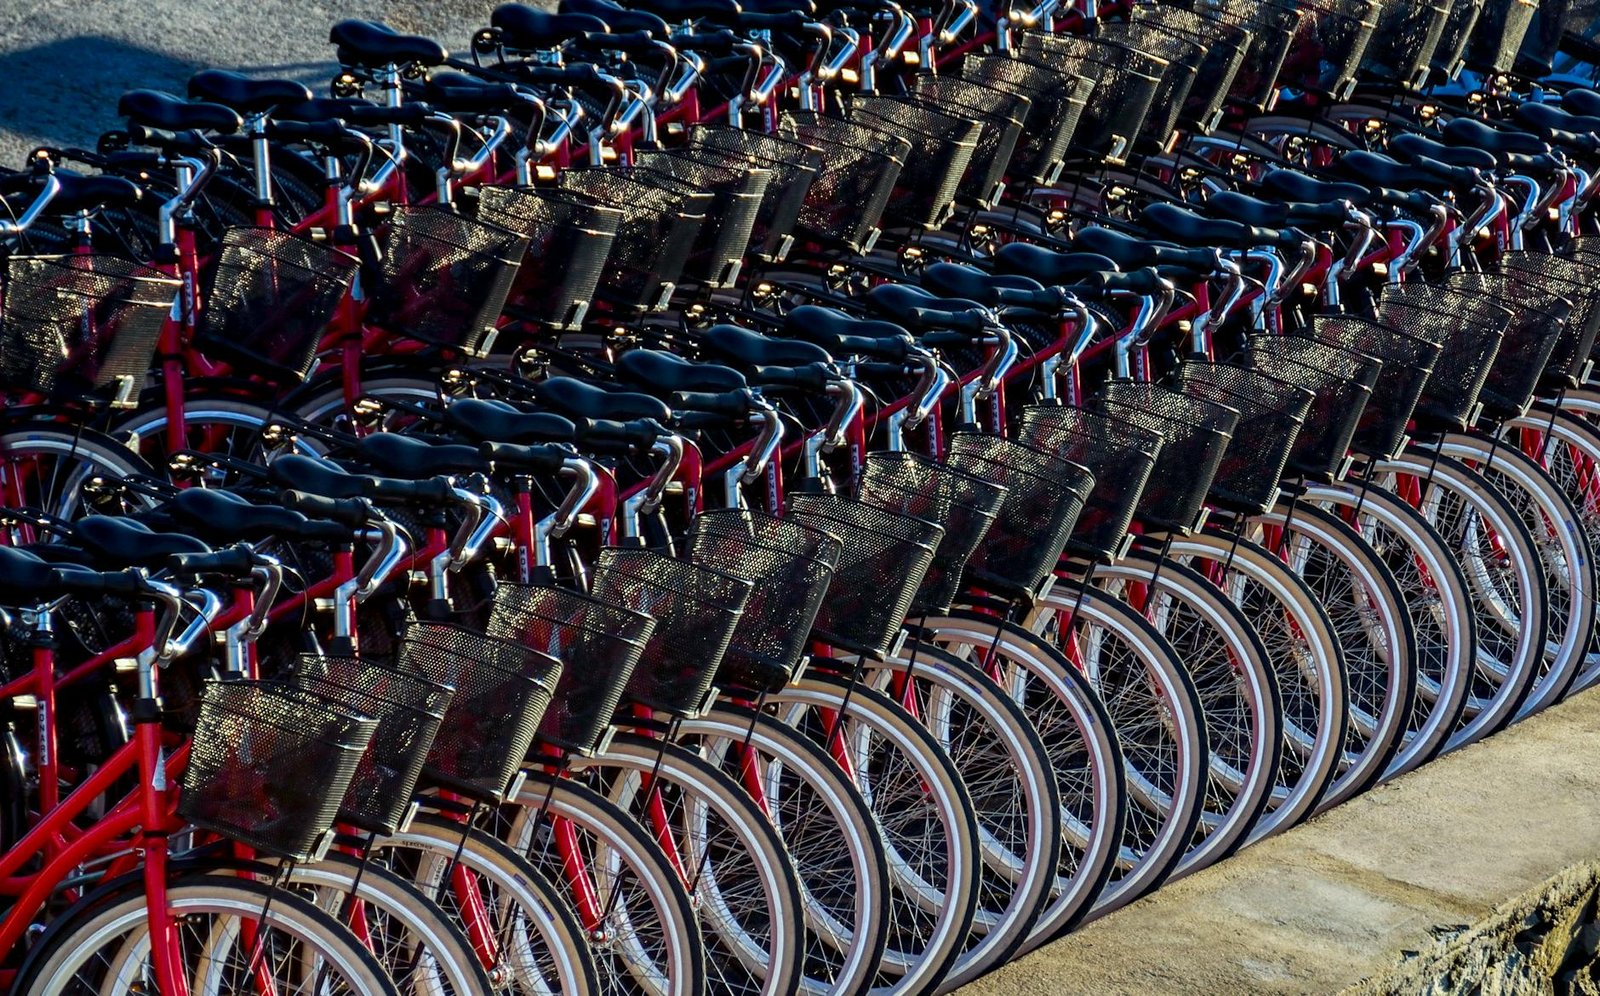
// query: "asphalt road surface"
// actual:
[[63, 63]]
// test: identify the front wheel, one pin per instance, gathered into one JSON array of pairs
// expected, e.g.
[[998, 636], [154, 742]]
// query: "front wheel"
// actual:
[[923, 809], [732, 860], [230, 935]]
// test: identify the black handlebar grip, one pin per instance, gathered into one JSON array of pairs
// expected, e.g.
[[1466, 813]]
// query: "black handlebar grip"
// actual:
[[352, 512], [235, 562], [732, 404], [637, 434], [540, 459]]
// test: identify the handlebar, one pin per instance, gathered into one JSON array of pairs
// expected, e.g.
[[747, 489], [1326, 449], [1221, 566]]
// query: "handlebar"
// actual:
[[1152, 307], [585, 484], [766, 444], [47, 192], [206, 612], [193, 174], [483, 512], [389, 551]]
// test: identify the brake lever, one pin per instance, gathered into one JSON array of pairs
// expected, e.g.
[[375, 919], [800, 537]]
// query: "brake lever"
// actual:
[[905, 28], [192, 175], [1151, 308], [846, 409], [567, 114], [693, 68], [586, 484], [1233, 290]]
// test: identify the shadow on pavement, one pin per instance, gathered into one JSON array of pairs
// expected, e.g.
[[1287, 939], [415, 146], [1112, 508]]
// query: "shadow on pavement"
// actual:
[[64, 93]]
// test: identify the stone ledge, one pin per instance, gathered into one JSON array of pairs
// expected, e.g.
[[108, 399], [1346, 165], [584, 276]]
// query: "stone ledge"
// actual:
[[1543, 943], [1346, 897]]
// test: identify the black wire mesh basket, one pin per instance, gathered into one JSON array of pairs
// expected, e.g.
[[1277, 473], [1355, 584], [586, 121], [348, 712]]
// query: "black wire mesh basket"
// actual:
[[599, 644], [1221, 47], [1000, 114], [794, 166], [1407, 363], [1584, 250], [1341, 382], [1194, 436], [1402, 46], [1119, 453], [860, 168], [81, 322], [790, 565], [271, 296], [1056, 104], [942, 146], [1180, 58], [569, 240], [654, 236], [1576, 279], [445, 277], [1539, 320], [964, 504], [1468, 329], [737, 191], [1272, 26], [1499, 34], [408, 710], [1126, 81], [1327, 52], [696, 609], [883, 559], [1271, 413], [1450, 57], [502, 691], [269, 765], [1045, 495]]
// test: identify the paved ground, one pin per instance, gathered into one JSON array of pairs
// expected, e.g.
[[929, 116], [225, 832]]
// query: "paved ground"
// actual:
[[63, 62], [1312, 911], [1329, 903]]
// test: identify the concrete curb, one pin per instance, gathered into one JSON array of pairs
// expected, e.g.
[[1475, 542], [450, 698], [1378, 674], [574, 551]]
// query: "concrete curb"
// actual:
[[1542, 943], [1343, 898]]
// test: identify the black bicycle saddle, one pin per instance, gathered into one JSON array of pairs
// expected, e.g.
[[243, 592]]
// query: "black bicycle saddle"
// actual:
[[370, 44]]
